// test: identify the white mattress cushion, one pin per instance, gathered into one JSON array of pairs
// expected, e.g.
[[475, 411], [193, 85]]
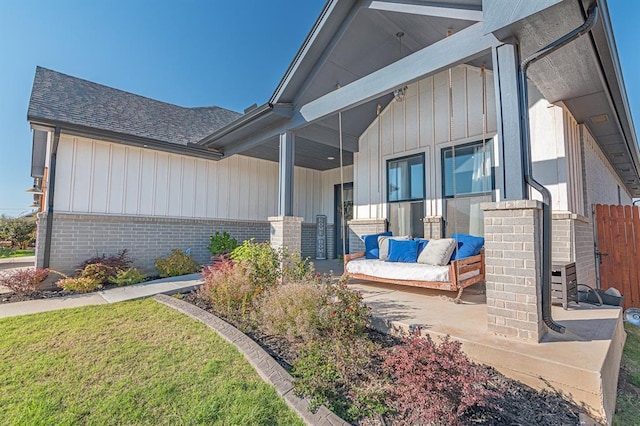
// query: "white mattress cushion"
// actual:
[[398, 270]]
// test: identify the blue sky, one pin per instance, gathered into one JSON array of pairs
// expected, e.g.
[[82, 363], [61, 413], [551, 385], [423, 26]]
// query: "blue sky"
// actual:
[[189, 53]]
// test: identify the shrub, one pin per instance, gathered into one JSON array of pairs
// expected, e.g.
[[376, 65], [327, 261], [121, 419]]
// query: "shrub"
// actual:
[[435, 383], [127, 277], [293, 310], [344, 315], [342, 375], [261, 260], [269, 266], [99, 272], [178, 263], [227, 287], [118, 261], [79, 284], [23, 281], [222, 244]]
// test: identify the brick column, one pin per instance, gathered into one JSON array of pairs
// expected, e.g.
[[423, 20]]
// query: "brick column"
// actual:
[[286, 231], [359, 227], [433, 226], [41, 232], [513, 244]]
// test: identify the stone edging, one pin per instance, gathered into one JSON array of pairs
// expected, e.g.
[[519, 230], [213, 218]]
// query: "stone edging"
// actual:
[[268, 368]]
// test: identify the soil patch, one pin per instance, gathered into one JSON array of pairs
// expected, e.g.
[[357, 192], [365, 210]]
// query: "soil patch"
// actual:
[[519, 404], [53, 293]]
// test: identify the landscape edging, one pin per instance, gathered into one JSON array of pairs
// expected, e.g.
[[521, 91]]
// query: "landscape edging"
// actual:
[[267, 367]]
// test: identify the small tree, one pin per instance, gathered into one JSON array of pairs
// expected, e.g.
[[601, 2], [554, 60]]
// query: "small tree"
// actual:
[[20, 231]]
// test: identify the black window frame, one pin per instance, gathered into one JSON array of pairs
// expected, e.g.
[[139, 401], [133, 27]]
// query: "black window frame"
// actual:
[[442, 170], [424, 179]]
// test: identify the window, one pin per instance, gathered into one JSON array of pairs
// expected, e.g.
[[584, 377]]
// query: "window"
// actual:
[[467, 181], [405, 195]]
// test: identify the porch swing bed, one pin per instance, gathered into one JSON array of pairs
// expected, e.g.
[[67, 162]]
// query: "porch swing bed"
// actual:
[[456, 276]]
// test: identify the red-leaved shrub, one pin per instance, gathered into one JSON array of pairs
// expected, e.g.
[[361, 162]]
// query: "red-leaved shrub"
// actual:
[[118, 261], [23, 281], [435, 383]]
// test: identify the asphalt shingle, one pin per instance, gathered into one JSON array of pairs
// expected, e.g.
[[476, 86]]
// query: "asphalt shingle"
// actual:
[[66, 99]]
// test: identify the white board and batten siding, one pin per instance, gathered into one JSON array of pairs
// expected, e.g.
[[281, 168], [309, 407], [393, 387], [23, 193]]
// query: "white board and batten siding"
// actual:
[[421, 124], [108, 178]]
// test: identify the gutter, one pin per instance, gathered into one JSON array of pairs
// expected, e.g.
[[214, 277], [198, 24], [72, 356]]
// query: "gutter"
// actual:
[[525, 141], [191, 149], [51, 188], [280, 109]]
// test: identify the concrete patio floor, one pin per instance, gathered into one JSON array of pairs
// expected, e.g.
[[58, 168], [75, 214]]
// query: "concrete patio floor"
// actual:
[[583, 363]]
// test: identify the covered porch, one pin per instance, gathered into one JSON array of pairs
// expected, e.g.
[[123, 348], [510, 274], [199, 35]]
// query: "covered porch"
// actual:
[[581, 363]]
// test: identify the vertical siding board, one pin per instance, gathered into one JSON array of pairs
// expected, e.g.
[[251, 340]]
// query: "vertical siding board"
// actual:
[[100, 178], [187, 194], [459, 90], [426, 111], [161, 193], [223, 189], [475, 102], [201, 182], [81, 194], [62, 195], [411, 122], [441, 107], [117, 181], [147, 178], [212, 189], [132, 181], [175, 186]]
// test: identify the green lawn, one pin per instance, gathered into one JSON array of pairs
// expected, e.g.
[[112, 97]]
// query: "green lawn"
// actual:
[[128, 363], [4, 253], [628, 403]]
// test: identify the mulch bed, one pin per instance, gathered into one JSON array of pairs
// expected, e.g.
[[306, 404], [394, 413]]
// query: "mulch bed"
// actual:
[[53, 293], [520, 405]]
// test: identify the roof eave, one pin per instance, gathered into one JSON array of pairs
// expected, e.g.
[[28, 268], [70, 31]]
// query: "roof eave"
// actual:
[[190, 149]]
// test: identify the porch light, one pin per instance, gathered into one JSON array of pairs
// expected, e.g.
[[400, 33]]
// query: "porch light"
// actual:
[[331, 158], [401, 93], [34, 190]]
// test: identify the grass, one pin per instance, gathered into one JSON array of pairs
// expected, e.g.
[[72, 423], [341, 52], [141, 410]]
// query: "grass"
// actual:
[[134, 362], [5, 253], [628, 403]]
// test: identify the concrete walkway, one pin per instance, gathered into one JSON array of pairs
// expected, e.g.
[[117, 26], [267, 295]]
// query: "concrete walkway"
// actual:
[[17, 262], [171, 285]]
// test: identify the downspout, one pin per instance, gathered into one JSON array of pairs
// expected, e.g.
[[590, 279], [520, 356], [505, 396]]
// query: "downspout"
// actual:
[[51, 186], [528, 174]]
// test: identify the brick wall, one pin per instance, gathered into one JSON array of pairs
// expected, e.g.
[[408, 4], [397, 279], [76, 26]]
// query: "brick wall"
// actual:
[[359, 227], [513, 258], [77, 237], [286, 231], [433, 227]]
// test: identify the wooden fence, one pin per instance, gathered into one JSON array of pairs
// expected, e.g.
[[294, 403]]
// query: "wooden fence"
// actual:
[[618, 229]]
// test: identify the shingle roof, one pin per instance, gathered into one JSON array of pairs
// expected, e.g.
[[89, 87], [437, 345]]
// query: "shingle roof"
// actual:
[[62, 98]]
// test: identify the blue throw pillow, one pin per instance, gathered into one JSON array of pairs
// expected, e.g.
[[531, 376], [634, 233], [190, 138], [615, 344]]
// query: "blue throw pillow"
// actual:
[[422, 243], [468, 245], [403, 251], [371, 249]]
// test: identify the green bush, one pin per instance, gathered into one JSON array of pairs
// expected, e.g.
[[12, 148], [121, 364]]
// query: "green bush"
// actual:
[[127, 277], [177, 263], [344, 315], [261, 260], [99, 272], [342, 375], [222, 244], [79, 284], [268, 266]]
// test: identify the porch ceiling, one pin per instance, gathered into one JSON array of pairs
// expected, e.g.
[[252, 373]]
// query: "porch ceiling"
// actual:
[[346, 49], [586, 77]]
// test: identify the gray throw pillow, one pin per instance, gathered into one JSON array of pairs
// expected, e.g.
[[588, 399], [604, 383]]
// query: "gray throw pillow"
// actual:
[[383, 244], [437, 252]]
